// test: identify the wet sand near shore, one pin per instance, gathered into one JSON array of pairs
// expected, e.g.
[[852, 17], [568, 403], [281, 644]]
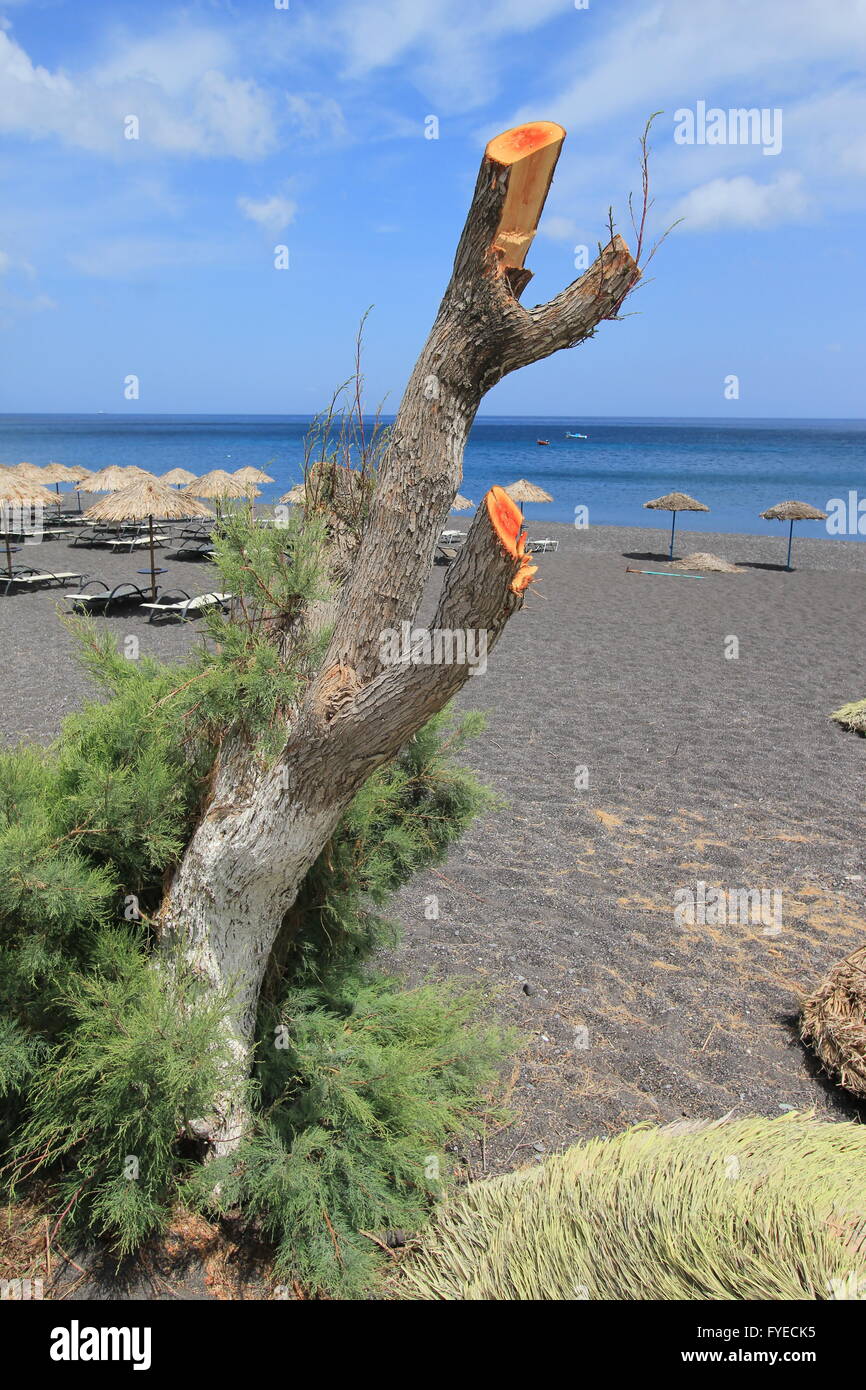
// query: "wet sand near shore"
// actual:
[[699, 768]]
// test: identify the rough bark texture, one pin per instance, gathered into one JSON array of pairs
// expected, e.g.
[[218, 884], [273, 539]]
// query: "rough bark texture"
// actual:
[[263, 830]]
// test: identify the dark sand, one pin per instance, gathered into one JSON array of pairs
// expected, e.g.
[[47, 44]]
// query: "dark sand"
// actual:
[[700, 768]]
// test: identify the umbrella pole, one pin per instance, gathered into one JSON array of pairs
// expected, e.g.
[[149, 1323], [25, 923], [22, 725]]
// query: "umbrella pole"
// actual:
[[790, 539], [8, 551], [673, 527], [152, 562]]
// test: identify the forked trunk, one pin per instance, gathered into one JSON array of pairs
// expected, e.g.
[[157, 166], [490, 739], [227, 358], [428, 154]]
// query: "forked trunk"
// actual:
[[263, 829]]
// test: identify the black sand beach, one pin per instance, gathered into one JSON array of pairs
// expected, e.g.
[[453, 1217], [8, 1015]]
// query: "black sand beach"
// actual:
[[700, 768]]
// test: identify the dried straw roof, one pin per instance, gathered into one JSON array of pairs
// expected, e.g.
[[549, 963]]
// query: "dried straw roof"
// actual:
[[252, 475], [462, 504], [703, 560], [146, 497], [59, 473], [218, 483], [295, 495], [14, 488], [114, 478], [523, 491], [28, 471], [833, 1022], [178, 475], [793, 511], [676, 502]]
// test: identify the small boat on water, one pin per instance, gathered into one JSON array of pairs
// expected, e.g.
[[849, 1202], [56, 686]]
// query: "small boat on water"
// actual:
[[542, 441], [569, 435]]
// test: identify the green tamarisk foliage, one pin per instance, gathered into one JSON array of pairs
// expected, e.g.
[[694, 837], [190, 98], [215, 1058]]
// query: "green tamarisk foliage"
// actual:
[[106, 1059]]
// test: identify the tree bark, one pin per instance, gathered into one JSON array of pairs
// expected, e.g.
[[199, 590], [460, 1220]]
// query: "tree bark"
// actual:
[[263, 829]]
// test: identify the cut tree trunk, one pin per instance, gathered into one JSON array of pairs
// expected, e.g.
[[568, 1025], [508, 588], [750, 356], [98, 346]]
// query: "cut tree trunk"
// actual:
[[263, 829]]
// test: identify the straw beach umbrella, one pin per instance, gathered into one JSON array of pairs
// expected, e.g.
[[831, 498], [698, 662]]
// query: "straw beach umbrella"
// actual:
[[793, 511], [58, 473], [219, 485], [523, 491], [252, 475], [114, 478], [142, 501], [28, 471], [675, 502], [14, 488], [178, 476], [461, 504], [296, 495]]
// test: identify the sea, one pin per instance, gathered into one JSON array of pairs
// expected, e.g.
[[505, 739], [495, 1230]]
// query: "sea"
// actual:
[[737, 469]]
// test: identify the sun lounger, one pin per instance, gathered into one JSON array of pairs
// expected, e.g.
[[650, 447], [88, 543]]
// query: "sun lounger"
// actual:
[[100, 600], [444, 555], [201, 549], [178, 604], [24, 579], [130, 542], [91, 535], [537, 547]]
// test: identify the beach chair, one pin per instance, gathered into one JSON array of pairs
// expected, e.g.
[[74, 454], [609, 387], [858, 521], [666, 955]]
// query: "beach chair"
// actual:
[[178, 604], [194, 549], [91, 535], [444, 555], [133, 540], [23, 579], [100, 600], [539, 546]]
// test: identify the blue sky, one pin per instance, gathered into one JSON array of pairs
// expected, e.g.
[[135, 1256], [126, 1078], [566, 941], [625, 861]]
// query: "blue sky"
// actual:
[[305, 127]]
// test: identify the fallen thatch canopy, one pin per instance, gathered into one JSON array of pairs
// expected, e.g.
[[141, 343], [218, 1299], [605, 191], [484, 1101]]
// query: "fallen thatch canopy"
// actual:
[[833, 1023], [852, 716], [747, 1209], [710, 564], [524, 491], [676, 502], [794, 511]]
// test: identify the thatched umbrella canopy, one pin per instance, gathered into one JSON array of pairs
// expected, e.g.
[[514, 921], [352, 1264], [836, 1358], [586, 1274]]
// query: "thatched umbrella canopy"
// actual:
[[220, 485], [524, 491], [29, 471], [58, 473], [178, 476], [142, 501], [15, 488], [252, 475], [793, 511], [675, 502], [114, 478], [834, 1022], [461, 504], [296, 496]]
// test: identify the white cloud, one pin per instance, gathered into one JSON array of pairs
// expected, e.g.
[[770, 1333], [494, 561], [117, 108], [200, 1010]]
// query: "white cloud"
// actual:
[[185, 104], [274, 213], [743, 202], [315, 115], [558, 228]]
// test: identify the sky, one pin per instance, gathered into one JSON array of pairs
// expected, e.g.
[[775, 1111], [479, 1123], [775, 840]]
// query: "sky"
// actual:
[[350, 132]]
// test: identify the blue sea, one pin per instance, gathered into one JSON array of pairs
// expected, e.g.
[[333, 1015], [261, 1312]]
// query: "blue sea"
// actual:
[[738, 469]]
